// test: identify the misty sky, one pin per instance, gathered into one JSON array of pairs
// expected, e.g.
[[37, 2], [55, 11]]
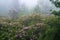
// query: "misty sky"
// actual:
[[32, 3], [45, 5], [29, 3]]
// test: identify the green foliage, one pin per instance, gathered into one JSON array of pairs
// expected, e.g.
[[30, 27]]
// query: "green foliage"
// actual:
[[31, 27], [53, 31], [56, 22], [56, 13], [56, 3]]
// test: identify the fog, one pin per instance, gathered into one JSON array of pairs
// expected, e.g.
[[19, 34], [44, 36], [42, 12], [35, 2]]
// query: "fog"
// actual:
[[29, 3], [45, 5]]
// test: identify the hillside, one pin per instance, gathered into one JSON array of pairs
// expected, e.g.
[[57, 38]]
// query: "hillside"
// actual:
[[31, 27]]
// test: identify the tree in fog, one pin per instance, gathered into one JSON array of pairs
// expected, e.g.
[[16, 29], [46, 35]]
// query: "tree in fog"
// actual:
[[13, 12], [37, 9]]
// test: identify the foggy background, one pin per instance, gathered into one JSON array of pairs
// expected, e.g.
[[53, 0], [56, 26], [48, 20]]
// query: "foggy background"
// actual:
[[26, 6]]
